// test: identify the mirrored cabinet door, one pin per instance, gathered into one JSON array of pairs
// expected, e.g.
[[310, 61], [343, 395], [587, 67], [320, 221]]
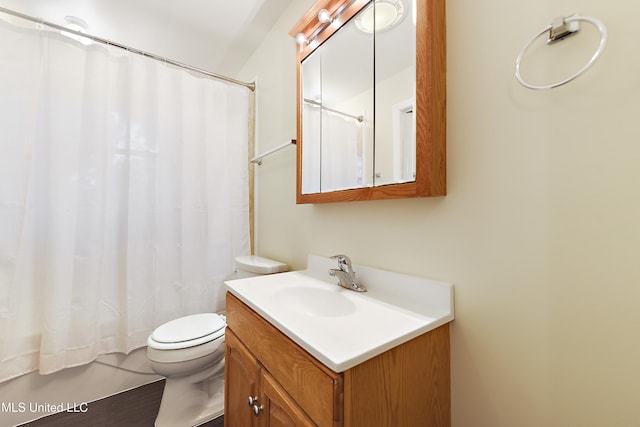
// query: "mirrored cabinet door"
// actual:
[[394, 88], [338, 113]]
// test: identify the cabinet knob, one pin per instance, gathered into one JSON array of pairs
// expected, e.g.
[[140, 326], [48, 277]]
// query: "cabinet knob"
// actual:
[[257, 409], [252, 400]]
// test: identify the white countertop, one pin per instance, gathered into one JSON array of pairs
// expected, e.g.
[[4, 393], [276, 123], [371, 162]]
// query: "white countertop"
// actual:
[[340, 327]]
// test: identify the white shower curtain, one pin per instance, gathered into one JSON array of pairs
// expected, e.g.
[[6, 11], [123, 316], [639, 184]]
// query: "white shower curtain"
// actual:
[[342, 152], [123, 198], [333, 152], [311, 148]]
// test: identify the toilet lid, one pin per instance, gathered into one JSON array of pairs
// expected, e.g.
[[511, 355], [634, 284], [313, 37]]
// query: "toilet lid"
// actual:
[[188, 328]]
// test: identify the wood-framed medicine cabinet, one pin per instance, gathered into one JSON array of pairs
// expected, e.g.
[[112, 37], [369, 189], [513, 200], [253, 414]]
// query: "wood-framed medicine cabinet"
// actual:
[[371, 101]]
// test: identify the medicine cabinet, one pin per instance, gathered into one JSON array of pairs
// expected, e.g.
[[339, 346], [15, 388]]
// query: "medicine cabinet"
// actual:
[[371, 100]]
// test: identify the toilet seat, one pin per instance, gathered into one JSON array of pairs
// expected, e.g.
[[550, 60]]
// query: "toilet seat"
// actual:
[[188, 331]]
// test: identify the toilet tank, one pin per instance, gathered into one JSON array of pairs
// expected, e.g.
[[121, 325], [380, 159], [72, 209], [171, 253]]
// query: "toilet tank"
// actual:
[[252, 265]]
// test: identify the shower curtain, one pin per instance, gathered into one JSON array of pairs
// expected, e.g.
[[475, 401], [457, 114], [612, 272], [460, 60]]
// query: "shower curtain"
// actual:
[[342, 152], [333, 152], [123, 198]]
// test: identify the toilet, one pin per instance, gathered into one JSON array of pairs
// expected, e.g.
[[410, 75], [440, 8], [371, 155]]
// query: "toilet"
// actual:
[[189, 352]]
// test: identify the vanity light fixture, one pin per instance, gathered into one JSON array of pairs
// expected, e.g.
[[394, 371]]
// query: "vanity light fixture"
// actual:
[[324, 17], [381, 15]]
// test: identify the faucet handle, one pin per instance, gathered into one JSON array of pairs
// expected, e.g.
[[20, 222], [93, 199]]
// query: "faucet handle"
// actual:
[[344, 263]]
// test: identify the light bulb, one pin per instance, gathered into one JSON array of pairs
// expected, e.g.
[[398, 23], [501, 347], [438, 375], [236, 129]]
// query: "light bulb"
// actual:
[[324, 16], [301, 39]]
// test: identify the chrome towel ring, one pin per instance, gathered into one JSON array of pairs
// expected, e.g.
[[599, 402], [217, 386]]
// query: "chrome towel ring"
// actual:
[[561, 28]]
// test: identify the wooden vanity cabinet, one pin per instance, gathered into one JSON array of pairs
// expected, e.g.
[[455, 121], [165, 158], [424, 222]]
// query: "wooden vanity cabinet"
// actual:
[[280, 409], [241, 382], [273, 406], [408, 385]]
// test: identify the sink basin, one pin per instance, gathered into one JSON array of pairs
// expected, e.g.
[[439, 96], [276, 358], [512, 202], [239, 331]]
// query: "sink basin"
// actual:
[[315, 302], [339, 327]]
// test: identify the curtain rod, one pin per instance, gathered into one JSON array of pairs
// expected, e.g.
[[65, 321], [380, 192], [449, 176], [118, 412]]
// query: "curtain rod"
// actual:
[[251, 86], [360, 118]]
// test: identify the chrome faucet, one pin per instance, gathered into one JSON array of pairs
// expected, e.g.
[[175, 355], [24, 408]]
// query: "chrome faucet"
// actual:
[[345, 274]]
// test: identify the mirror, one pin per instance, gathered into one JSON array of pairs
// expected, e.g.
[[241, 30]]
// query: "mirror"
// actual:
[[337, 113], [394, 88], [367, 127]]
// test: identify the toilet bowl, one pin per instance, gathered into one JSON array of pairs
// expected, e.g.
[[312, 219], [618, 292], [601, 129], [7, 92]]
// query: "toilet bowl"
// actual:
[[189, 352]]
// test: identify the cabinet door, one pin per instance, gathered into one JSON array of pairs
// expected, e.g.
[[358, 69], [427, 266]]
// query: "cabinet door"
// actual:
[[313, 386], [241, 382], [280, 410]]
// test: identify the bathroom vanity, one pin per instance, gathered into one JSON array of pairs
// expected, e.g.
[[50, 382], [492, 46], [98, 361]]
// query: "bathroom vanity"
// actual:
[[300, 351]]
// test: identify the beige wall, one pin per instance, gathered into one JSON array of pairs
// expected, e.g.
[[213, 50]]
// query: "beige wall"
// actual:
[[540, 230]]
